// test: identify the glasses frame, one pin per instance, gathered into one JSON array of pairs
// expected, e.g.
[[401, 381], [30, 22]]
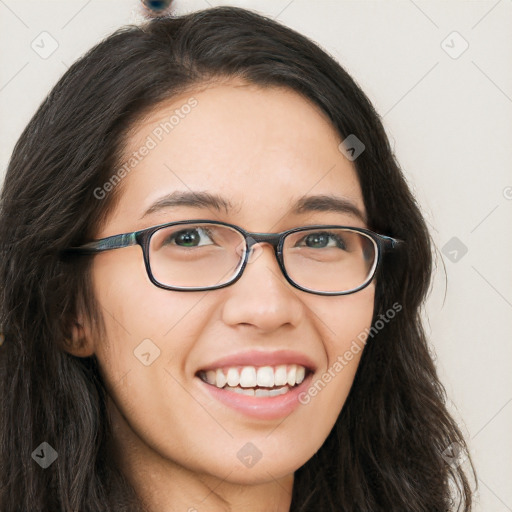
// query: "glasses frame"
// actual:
[[143, 238]]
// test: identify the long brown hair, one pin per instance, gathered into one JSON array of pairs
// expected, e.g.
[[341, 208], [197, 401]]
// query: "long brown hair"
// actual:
[[386, 450]]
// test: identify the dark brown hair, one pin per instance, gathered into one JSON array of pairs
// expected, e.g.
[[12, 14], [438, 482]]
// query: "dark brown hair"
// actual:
[[385, 452]]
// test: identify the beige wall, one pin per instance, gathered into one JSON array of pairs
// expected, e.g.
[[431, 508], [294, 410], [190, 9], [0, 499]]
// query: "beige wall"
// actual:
[[449, 120]]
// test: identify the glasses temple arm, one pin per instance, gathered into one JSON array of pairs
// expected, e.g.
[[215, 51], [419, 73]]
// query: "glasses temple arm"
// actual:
[[106, 244], [391, 242]]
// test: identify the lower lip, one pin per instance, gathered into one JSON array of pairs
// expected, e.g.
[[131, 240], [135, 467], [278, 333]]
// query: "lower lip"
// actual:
[[263, 407]]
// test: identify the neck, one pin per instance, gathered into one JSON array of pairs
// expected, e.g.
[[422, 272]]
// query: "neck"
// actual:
[[166, 486]]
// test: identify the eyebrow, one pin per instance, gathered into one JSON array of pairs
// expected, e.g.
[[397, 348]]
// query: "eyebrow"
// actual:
[[194, 199], [207, 200], [328, 203]]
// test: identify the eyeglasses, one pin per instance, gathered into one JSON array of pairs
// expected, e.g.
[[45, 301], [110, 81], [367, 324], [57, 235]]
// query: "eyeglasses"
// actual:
[[197, 255]]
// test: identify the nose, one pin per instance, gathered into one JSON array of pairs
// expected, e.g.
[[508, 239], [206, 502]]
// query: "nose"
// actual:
[[262, 297]]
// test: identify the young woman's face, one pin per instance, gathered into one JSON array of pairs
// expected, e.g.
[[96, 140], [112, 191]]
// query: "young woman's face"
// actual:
[[261, 150]]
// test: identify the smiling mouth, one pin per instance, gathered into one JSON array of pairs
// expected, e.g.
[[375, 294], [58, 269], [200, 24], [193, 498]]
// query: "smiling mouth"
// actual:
[[263, 381]]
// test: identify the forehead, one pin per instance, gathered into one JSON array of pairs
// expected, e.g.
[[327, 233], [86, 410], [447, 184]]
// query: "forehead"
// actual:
[[262, 148]]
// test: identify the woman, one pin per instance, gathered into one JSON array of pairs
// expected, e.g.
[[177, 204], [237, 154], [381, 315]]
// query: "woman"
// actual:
[[211, 283]]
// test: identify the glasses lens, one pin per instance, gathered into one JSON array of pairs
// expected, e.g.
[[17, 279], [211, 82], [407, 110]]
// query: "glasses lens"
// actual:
[[330, 260], [195, 255]]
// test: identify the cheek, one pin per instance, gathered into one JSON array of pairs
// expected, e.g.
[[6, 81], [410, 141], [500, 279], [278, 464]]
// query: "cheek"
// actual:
[[145, 327], [345, 322], [344, 318], [149, 333]]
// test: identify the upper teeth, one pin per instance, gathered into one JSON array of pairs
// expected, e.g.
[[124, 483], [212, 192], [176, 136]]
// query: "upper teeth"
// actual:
[[250, 376]]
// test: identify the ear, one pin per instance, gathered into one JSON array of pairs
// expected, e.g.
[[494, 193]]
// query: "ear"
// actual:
[[79, 342]]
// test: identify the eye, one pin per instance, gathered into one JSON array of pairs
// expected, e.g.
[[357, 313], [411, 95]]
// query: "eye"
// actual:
[[323, 239], [192, 237]]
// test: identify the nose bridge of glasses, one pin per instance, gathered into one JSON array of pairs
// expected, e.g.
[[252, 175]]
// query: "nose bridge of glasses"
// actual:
[[257, 238]]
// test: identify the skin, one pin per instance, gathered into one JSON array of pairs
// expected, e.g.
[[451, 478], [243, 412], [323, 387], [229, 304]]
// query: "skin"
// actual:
[[261, 148]]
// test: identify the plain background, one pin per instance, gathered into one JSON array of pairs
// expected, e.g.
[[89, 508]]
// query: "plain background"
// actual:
[[448, 114]]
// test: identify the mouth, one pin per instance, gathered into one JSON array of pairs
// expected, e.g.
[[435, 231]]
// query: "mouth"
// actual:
[[263, 381], [261, 385]]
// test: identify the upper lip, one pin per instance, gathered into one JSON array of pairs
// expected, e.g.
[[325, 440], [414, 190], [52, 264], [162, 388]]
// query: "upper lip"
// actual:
[[262, 358]]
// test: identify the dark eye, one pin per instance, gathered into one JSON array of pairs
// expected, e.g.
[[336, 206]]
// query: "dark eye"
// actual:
[[190, 237], [321, 240]]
